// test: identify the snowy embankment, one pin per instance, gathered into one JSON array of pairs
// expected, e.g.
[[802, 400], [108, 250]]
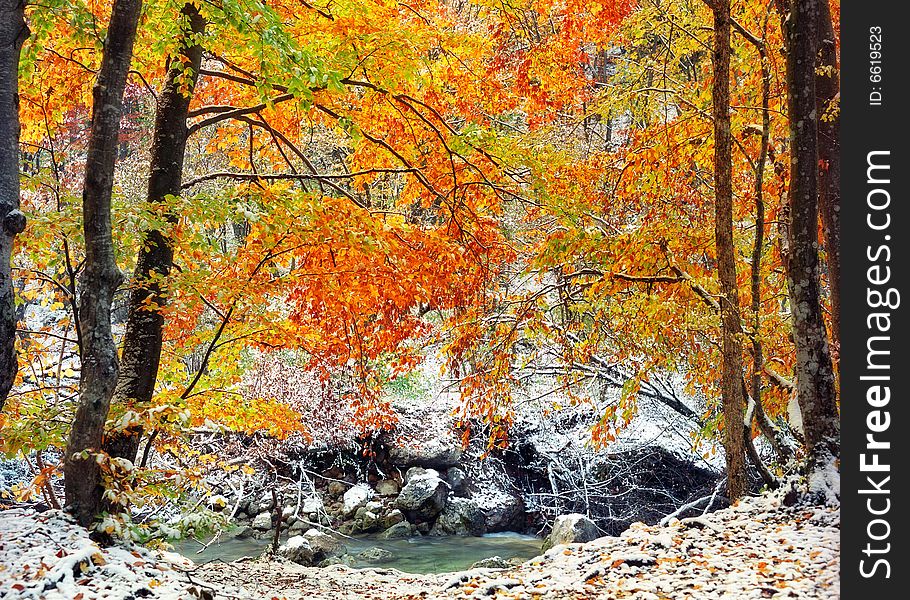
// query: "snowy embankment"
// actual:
[[47, 556], [757, 549]]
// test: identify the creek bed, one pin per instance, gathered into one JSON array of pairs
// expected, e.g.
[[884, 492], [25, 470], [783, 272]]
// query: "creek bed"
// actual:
[[422, 554]]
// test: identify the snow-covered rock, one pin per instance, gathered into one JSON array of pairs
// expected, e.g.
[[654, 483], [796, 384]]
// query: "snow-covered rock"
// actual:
[[262, 522], [423, 496], [571, 529], [297, 549], [354, 498], [436, 453]]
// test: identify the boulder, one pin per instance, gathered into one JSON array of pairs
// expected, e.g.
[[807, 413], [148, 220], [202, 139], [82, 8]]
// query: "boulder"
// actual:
[[387, 487], [397, 531], [354, 498], [297, 549], [336, 489], [298, 527], [365, 520], [342, 559], [502, 511], [423, 496], [393, 517], [311, 505], [324, 546], [573, 528], [460, 516], [376, 555], [419, 472], [265, 503], [435, 453], [494, 562], [262, 521], [457, 479]]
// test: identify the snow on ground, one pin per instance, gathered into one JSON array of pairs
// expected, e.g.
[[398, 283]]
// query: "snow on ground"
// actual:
[[47, 556], [756, 549]]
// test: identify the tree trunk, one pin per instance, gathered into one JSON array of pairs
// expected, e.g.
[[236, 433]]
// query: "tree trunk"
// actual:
[[827, 104], [13, 32], [82, 474], [814, 372], [142, 341], [732, 367]]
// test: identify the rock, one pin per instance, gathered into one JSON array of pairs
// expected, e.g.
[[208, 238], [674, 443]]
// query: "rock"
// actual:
[[460, 516], [502, 511], [264, 504], [435, 453], [397, 531], [241, 533], [423, 496], [376, 555], [341, 559], [297, 528], [262, 521], [324, 546], [311, 505], [366, 521], [419, 472], [336, 489], [574, 528], [297, 549], [354, 498], [457, 479], [494, 562], [393, 517], [387, 487]]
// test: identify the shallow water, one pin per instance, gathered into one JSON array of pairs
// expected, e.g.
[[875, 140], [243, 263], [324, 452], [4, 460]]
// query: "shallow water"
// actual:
[[411, 555]]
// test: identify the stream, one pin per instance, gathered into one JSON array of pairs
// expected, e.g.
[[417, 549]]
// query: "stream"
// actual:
[[425, 554]]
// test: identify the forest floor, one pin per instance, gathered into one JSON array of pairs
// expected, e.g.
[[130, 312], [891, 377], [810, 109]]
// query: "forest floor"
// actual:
[[756, 549]]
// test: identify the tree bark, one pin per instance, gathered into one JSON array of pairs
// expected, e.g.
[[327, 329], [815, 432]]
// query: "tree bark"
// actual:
[[13, 32], [814, 372], [732, 367], [141, 353], [82, 474], [827, 94]]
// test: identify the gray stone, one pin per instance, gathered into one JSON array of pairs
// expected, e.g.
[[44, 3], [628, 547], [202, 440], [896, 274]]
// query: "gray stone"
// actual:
[[393, 517], [376, 555], [456, 478], [397, 531], [460, 516], [324, 546], [494, 562], [341, 559], [423, 496], [387, 487], [262, 521], [573, 528], [265, 503], [435, 453], [297, 549], [419, 472], [502, 511]]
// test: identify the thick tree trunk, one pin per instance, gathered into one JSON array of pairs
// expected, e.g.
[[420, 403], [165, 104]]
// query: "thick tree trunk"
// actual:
[[732, 367], [814, 372], [101, 278], [13, 32], [142, 340], [827, 104]]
